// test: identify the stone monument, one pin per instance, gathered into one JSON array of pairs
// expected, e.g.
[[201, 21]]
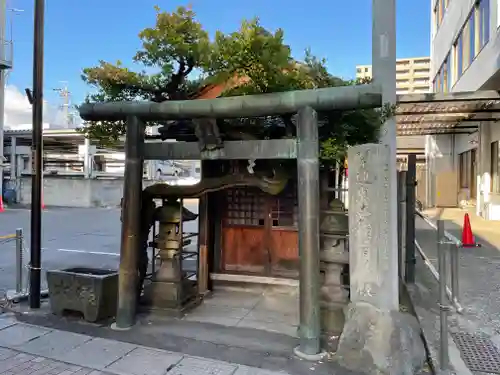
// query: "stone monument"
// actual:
[[377, 337]]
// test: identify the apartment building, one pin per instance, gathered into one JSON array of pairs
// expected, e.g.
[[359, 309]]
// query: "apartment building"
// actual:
[[412, 74], [465, 56]]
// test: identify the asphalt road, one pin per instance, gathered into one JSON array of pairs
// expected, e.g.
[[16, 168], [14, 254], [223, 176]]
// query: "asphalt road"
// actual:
[[71, 237]]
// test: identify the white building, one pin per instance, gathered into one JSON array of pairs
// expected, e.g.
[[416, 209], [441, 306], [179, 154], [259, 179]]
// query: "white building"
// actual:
[[412, 75], [464, 168]]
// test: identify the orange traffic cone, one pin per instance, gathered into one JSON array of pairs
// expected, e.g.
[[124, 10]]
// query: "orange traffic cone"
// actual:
[[467, 236]]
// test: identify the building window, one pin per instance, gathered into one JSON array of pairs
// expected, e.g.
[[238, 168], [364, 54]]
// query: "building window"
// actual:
[[421, 71], [437, 82], [421, 81], [358, 70], [498, 14], [439, 10], [245, 206], [472, 36], [451, 63], [446, 74], [459, 57], [483, 8], [466, 52], [495, 183], [466, 159], [284, 208]]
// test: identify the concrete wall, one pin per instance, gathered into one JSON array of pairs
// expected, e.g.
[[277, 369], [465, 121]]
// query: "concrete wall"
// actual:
[[489, 202], [76, 192], [413, 142], [442, 154], [463, 143], [441, 178]]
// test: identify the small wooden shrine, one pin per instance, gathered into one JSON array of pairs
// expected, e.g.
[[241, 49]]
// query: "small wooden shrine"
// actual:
[[259, 199]]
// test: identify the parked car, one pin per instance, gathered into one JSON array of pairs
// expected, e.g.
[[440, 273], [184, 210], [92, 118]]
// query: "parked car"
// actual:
[[167, 168]]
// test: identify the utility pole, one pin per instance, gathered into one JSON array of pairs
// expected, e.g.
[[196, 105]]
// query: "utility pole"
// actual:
[[65, 95], [37, 144], [5, 65]]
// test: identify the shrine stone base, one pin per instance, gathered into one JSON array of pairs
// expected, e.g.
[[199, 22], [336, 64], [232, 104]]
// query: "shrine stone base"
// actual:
[[170, 297], [378, 342]]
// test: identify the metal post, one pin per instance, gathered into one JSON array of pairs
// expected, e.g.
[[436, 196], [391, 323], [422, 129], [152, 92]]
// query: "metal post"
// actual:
[[411, 181], [131, 225], [87, 165], [401, 225], [455, 265], [337, 180], [308, 192], [6, 55], [13, 164], [443, 301], [36, 147], [153, 252], [19, 260]]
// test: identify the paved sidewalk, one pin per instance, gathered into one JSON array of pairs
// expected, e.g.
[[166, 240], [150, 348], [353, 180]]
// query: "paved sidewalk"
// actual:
[[32, 350], [474, 335], [486, 231]]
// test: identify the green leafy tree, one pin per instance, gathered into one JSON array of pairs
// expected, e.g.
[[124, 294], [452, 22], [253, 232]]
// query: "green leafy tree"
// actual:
[[251, 60], [175, 47]]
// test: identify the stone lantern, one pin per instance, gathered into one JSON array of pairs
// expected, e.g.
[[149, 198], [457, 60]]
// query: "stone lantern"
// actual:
[[171, 286], [334, 258]]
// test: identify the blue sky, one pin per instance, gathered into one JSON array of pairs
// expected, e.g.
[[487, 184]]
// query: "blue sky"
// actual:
[[78, 33]]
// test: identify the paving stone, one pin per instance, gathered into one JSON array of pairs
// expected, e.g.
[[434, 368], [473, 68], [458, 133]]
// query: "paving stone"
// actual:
[[19, 334], [221, 320], [14, 361], [198, 366], [25, 364], [270, 316], [247, 370], [6, 353], [55, 343], [286, 329], [7, 322], [233, 299], [145, 361], [83, 371], [97, 353]]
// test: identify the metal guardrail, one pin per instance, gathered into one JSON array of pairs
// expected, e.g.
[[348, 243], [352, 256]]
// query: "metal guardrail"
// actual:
[[20, 292], [447, 251], [18, 238], [452, 248]]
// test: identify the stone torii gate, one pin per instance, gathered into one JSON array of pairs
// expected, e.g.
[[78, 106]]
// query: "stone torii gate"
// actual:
[[373, 340]]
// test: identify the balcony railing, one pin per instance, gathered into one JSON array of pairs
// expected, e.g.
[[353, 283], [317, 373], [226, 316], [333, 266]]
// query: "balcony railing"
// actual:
[[6, 53]]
